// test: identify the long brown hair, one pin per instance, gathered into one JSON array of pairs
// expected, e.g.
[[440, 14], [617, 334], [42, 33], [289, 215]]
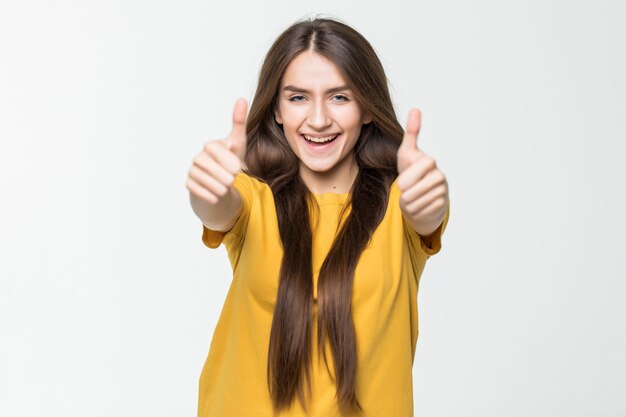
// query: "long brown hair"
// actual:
[[270, 159]]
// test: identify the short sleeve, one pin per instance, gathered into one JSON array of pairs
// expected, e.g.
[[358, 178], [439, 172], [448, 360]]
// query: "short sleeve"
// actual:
[[213, 238], [432, 245]]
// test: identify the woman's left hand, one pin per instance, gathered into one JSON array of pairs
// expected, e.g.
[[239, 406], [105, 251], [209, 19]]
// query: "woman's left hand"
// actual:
[[424, 187]]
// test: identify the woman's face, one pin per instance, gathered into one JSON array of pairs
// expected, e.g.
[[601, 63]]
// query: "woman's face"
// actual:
[[320, 117]]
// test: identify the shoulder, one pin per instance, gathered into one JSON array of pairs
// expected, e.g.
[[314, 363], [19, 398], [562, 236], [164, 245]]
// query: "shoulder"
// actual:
[[394, 192], [255, 193], [249, 186]]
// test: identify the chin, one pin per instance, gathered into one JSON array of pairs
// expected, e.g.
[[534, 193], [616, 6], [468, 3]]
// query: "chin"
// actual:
[[318, 167]]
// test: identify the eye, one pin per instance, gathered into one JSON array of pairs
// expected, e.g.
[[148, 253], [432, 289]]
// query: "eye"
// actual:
[[296, 98], [340, 97]]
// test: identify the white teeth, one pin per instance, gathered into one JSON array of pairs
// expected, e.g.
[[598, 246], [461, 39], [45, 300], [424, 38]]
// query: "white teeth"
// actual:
[[320, 140]]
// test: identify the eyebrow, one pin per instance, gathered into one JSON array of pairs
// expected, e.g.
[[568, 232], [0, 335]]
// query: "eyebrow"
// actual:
[[302, 90]]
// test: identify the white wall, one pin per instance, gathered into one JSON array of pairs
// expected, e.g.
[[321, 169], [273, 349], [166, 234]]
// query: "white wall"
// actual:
[[108, 298]]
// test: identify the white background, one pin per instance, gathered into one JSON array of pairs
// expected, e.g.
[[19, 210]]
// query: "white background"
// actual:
[[108, 298]]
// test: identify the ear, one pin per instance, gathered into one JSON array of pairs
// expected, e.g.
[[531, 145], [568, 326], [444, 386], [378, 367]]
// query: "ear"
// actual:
[[277, 117], [367, 118]]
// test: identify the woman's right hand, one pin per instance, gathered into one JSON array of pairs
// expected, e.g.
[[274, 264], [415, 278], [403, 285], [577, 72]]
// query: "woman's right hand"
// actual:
[[213, 171]]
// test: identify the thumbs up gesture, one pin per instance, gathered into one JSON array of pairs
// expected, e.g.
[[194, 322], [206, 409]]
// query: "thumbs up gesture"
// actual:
[[213, 171], [424, 188]]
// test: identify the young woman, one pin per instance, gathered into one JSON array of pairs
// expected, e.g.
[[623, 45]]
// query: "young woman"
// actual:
[[328, 211]]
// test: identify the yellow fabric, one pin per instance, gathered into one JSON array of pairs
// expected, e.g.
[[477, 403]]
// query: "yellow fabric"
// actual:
[[384, 306]]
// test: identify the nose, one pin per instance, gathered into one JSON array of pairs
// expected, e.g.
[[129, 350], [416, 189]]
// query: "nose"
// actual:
[[319, 119]]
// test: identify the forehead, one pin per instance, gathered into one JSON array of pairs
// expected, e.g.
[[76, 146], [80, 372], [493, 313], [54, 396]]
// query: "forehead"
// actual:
[[311, 70]]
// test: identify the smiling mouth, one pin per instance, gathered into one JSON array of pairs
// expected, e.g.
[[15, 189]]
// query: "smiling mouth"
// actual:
[[322, 140]]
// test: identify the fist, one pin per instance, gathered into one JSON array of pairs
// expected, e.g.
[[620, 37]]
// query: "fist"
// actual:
[[213, 171], [424, 188]]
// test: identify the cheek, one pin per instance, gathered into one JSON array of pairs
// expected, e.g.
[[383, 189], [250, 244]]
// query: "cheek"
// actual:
[[292, 141], [349, 118], [292, 117]]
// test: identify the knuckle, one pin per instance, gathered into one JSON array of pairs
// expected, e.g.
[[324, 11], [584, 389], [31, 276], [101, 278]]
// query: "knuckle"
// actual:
[[212, 160], [221, 190], [209, 147], [209, 165], [211, 198], [412, 210], [437, 177], [192, 187]]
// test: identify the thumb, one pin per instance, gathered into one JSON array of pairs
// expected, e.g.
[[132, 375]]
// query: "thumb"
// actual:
[[412, 129], [237, 138], [408, 153]]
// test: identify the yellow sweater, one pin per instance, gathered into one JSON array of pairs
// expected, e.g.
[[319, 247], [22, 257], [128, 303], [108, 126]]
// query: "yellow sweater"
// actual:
[[384, 307]]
